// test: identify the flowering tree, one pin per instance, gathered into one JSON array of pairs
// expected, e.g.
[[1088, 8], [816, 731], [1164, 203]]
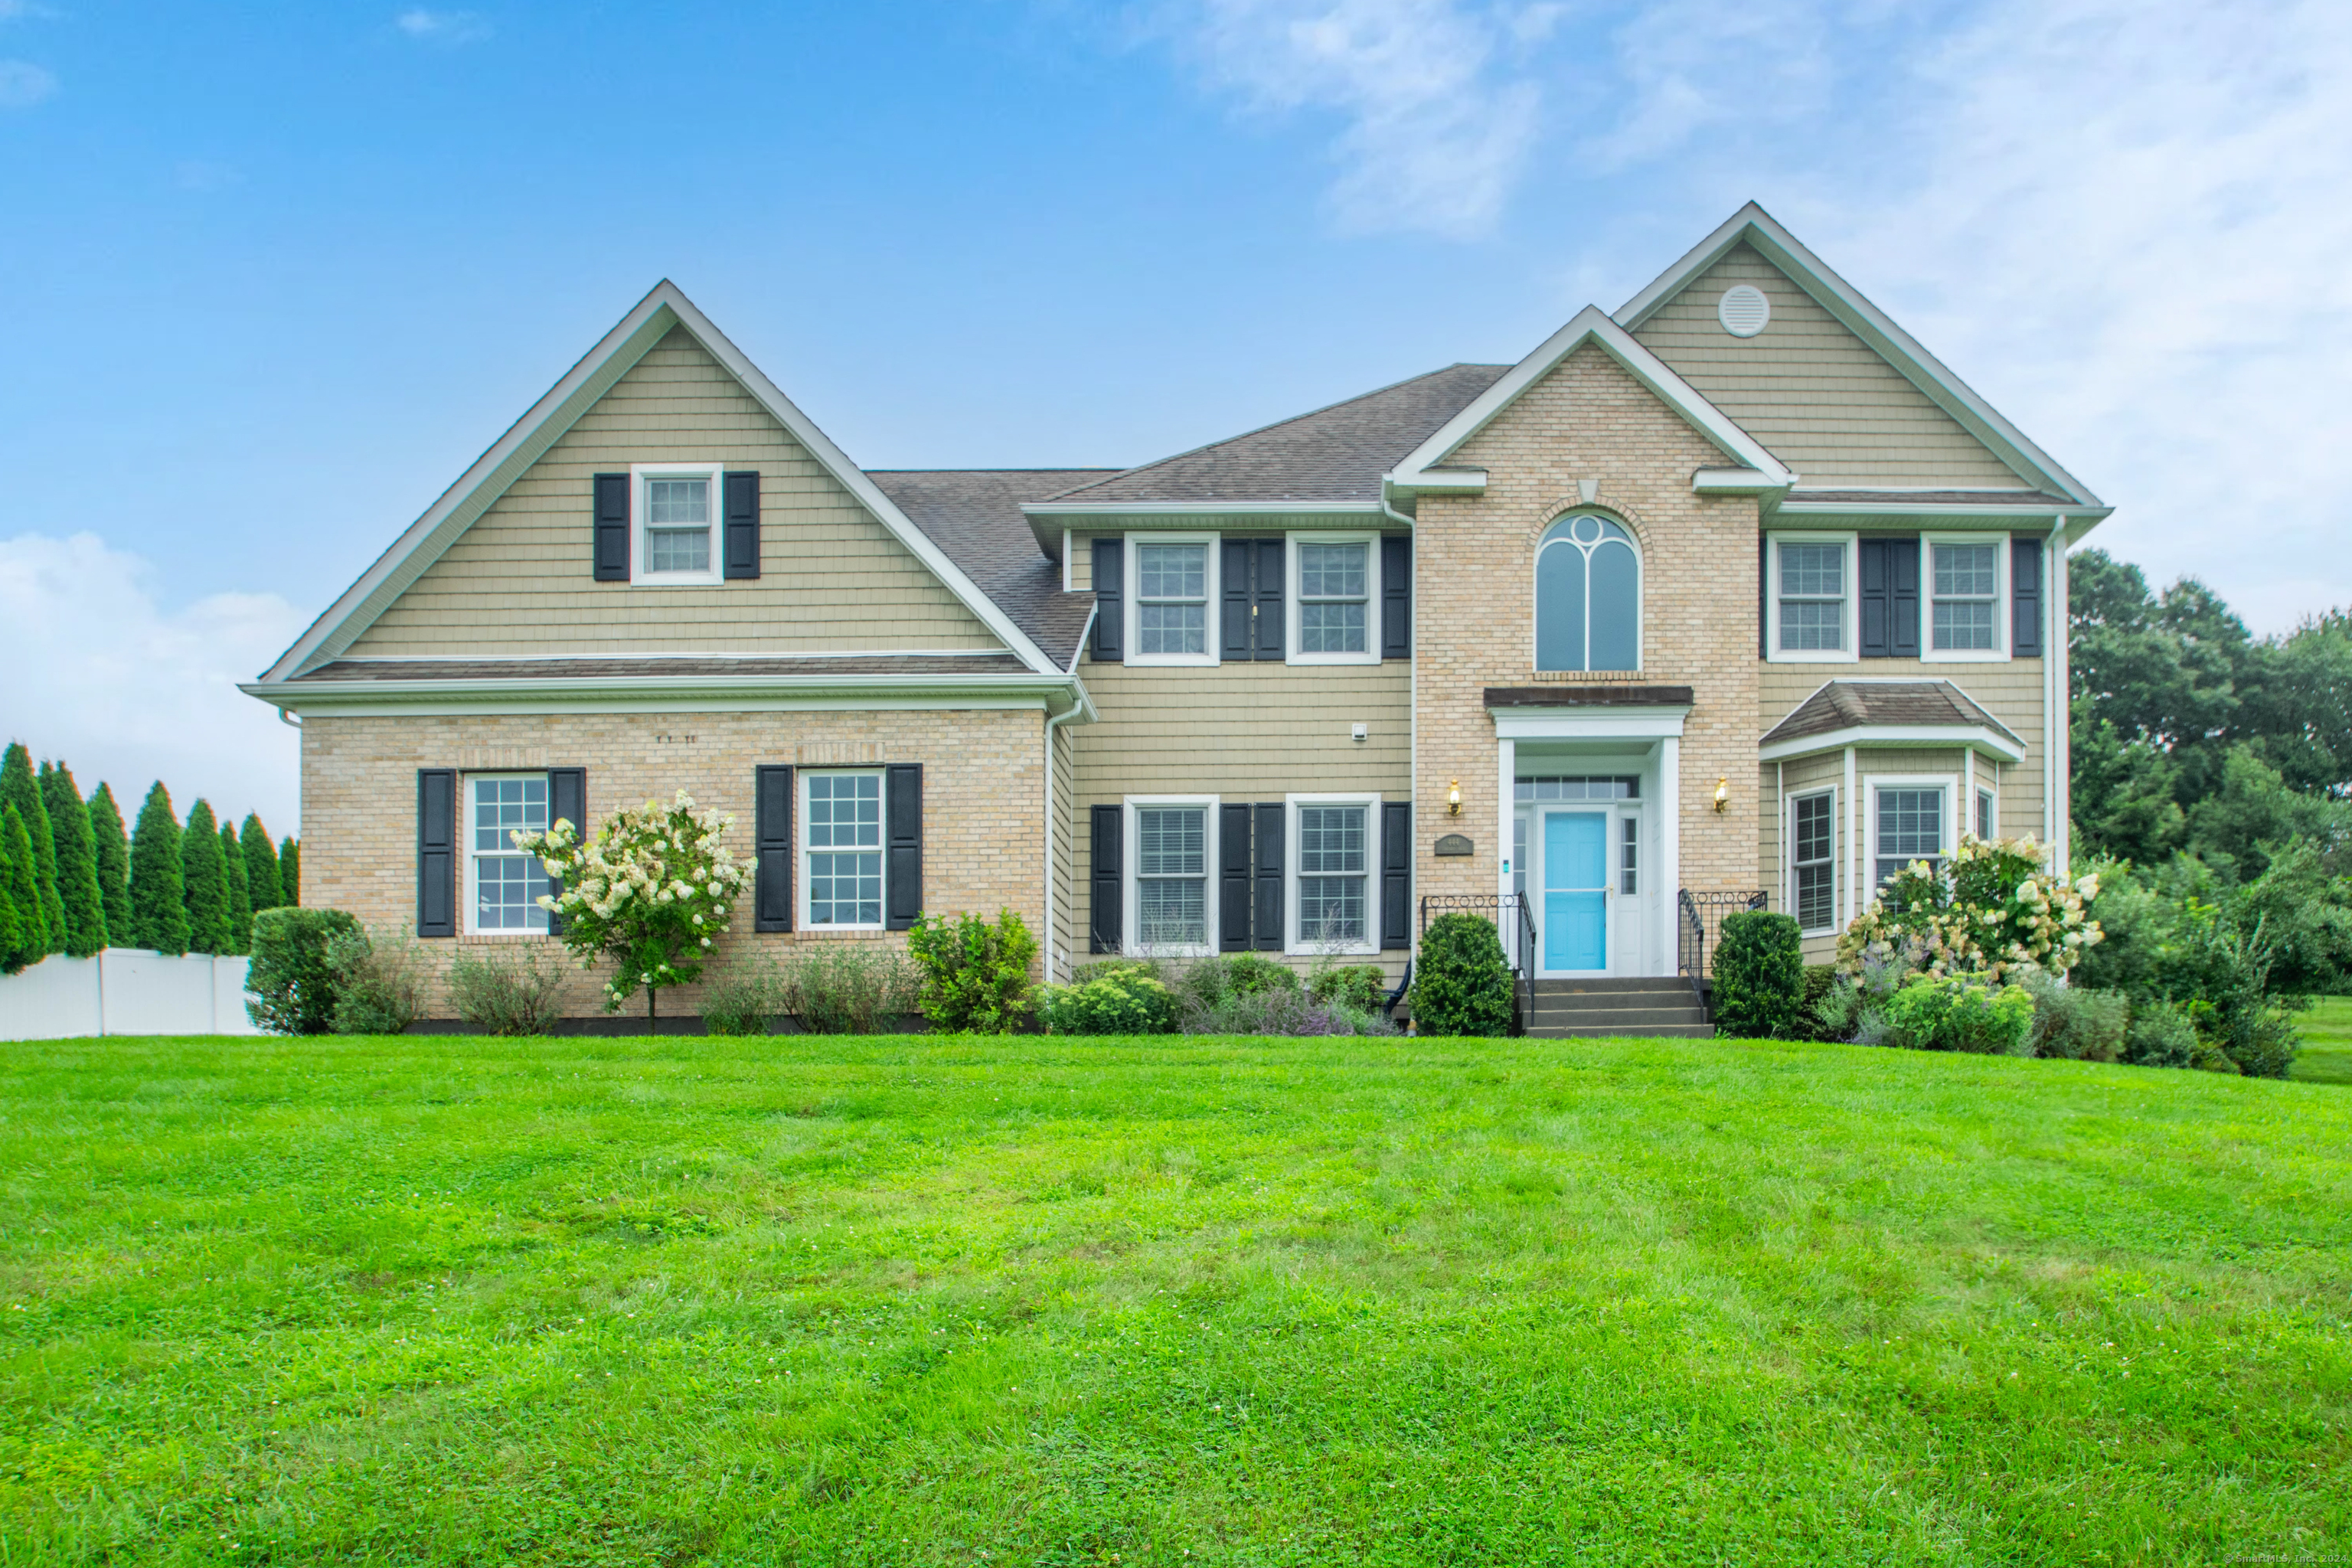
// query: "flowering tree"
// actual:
[[652, 891], [1992, 907]]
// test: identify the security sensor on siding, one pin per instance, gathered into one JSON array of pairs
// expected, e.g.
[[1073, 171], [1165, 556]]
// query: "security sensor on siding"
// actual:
[[1359, 732]]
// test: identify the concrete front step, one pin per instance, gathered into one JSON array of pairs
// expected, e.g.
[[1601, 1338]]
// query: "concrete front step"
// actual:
[[1655, 1032], [1616, 1017], [1654, 1006]]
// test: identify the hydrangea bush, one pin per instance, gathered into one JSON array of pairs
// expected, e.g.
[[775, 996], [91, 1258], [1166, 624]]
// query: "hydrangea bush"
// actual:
[[1992, 908], [652, 892]]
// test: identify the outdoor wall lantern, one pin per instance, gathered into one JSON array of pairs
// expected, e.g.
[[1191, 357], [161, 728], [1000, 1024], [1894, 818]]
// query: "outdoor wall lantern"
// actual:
[[1454, 799], [1722, 794]]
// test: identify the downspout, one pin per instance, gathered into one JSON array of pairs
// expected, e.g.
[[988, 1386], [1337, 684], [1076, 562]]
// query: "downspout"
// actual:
[[2054, 616], [1412, 715], [2062, 657]]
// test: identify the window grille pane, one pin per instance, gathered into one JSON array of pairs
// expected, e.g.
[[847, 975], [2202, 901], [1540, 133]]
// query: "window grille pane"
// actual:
[[1172, 843], [1172, 571], [1577, 788], [1331, 629], [678, 501], [1172, 911], [1964, 624], [1331, 839], [1985, 814], [1173, 629], [1331, 909], [1812, 828], [846, 890], [507, 891], [1333, 570], [1964, 570], [678, 550], [1911, 823], [1812, 624], [1815, 897], [1816, 875], [1812, 571], [845, 810], [1628, 864], [502, 807], [1519, 850]]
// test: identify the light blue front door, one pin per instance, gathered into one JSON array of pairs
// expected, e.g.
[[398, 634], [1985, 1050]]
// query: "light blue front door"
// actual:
[[1576, 883]]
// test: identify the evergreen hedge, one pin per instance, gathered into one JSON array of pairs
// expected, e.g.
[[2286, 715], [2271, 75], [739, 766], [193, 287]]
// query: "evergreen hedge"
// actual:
[[1463, 986], [20, 789], [260, 865], [85, 908], [290, 873], [159, 910], [204, 882], [240, 904], [1759, 977], [24, 938], [111, 850]]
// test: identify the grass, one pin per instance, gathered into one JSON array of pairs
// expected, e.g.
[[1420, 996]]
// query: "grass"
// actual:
[[2326, 1053], [1178, 1301]]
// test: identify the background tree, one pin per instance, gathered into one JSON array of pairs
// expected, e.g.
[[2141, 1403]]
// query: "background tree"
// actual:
[[159, 910], [290, 873], [22, 942], [20, 789], [241, 902], [111, 852], [260, 865], [76, 858], [204, 872]]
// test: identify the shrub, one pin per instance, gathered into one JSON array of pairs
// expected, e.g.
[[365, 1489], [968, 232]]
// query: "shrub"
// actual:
[[747, 999], [1463, 986], [1989, 910], [1854, 1005], [975, 973], [204, 882], [1361, 987], [20, 788], [1962, 1013], [76, 856], [850, 987], [1124, 1001], [1760, 976], [111, 848], [511, 988], [379, 980], [1819, 980], [2160, 1036], [25, 939], [159, 909], [240, 895], [293, 987], [2075, 1021], [1277, 1012], [260, 860]]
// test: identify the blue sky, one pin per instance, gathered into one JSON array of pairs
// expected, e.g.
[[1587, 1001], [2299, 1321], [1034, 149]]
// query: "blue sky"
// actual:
[[280, 273]]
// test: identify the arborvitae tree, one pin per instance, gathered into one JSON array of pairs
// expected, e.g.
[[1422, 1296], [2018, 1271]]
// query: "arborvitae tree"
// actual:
[[290, 873], [20, 789], [110, 850], [17, 948], [240, 905], [260, 865], [77, 861], [204, 882], [159, 910]]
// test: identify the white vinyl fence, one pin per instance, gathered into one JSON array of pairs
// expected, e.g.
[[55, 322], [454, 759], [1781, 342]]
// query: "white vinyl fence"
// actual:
[[124, 991]]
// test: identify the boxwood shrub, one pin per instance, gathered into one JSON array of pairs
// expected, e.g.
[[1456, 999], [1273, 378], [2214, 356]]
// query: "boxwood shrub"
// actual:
[[1463, 987], [1759, 977]]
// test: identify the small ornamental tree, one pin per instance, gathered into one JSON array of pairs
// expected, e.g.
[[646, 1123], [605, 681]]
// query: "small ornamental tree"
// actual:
[[290, 873], [652, 892], [260, 865], [240, 906], [159, 910], [20, 789], [22, 942], [204, 881], [86, 932], [110, 850], [1991, 910]]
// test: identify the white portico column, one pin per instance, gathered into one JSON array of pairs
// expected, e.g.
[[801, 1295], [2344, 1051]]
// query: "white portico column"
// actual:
[[1670, 853], [1507, 781]]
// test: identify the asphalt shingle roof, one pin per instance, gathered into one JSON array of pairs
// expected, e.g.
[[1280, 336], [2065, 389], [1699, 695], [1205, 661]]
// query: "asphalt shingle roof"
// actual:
[[1854, 704]]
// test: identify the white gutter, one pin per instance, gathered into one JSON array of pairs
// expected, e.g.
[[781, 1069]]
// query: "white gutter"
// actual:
[[677, 693]]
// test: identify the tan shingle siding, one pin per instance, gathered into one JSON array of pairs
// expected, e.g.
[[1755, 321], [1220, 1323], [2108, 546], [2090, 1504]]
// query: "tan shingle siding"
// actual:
[[517, 583]]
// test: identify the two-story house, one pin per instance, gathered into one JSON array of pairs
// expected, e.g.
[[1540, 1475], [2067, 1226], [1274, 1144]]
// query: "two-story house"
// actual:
[[1736, 594]]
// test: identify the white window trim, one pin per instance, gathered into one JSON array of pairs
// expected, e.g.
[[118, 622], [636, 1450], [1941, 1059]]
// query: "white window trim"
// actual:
[[1788, 856], [1928, 652], [1984, 786], [639, 512], [1294, 610], [471, 893], [1641, 595], [1131, 860], [1852, 652], [1211, 582], [1296, 942], [1873, 783], [802, 779]]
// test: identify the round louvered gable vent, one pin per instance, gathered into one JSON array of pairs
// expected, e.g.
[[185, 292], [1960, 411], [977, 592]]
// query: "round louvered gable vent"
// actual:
[[1743, 310]]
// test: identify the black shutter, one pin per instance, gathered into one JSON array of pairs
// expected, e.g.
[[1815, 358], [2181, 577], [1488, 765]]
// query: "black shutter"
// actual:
[[1267, 868], [902, 788], [567, 800], [1110, 601], [742, 558], [1103, 922], [1763, 588], [1234, 878], [612, 552], [1903, 596], [436, 852], [1396, 597], [1237, 561], [1877, 641], [1396, 874], [1267, 600], [771, 846], [2025, 598]]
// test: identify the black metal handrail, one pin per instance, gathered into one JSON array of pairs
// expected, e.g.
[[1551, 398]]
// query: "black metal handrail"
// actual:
[[1700, 928], [1519, 936]]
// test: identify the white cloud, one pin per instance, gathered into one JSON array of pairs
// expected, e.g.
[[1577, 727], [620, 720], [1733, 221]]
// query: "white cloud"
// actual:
[[127, 692], [442, 27], [1437, 126], [24, 84]]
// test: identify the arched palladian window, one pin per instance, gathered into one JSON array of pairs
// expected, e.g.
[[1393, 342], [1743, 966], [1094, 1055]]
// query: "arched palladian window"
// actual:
[[1588, 596]]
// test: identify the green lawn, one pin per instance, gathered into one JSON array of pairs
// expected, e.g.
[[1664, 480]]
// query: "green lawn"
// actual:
[[2326, 1053], [1178, 1301]]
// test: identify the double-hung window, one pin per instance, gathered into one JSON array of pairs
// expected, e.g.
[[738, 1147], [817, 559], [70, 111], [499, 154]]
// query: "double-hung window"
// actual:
[[1812, 598], [1332, 866], [677, 523], [1812, 864], [1334, 598], [843, 817], [1910, 826], [1965, 616], [1171, 602], [506, 884], [1988, 815], [1171, 876]]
